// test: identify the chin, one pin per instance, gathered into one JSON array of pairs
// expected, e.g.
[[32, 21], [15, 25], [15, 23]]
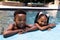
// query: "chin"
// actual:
[[22, 27]]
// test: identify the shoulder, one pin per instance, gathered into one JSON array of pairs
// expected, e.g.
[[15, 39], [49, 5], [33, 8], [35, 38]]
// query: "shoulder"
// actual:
[[29, 25], [35, 24], [10, 26]]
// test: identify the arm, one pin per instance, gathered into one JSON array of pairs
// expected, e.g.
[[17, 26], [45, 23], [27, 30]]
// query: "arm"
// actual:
[[9, 30], [31, 28], [51, 26], [45, 27], [41, 28]]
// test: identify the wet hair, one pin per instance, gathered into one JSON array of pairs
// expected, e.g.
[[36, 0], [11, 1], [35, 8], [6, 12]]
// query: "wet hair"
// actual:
[[39, 16], [19, 12]]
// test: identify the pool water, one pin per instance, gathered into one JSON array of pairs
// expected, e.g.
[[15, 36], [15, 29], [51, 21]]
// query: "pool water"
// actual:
[[6, 17], [53, 34]]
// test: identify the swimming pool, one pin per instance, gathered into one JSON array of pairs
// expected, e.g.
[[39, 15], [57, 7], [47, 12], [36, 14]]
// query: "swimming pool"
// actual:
[[53, 34]]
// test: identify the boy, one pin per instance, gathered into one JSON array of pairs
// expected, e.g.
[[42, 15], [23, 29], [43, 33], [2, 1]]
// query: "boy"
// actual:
[[20, 25]]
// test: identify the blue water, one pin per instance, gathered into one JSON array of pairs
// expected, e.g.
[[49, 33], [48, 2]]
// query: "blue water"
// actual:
[[53, 34]]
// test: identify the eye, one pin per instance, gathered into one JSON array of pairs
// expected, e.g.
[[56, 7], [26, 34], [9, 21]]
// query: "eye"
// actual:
[[19, 19], [42, 21]]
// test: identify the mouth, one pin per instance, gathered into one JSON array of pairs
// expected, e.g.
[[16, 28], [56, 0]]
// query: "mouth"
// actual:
[[21, 26]]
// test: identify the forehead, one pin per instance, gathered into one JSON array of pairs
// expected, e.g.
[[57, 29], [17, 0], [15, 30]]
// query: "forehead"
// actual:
[[43, 18], [21, 15]]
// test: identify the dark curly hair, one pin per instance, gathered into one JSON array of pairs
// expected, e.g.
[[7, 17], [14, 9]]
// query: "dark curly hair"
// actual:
[[19, 12]]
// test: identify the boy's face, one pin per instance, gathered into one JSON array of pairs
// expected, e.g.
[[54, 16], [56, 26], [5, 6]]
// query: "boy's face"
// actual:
[[42, 21], [20, 20]]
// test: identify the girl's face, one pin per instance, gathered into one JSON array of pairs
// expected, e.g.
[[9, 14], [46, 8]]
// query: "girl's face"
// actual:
[[42, 21], [20, 20]]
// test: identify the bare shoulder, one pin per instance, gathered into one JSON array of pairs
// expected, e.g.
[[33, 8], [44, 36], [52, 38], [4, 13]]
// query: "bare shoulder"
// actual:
[[35, 24], [28, 25], [10, 26]]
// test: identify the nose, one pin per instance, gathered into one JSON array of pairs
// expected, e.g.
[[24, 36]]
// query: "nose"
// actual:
[[22, 22], [43, 23]]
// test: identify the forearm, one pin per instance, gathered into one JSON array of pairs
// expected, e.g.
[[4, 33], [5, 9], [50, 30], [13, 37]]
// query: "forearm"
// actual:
[[32, 29], [10, 32], [43, 28]]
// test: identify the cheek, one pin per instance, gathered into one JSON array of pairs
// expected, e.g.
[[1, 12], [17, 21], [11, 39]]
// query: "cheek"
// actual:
[[38, 21], [45, 23], [41, 23], [24, 21], [17, 22]]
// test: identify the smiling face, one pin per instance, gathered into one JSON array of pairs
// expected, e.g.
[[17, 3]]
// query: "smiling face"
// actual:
[[42, 20], [20, 20]]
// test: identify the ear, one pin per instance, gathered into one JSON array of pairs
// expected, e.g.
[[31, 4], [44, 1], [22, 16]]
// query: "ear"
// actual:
[[40, 13], [14, 19], [47, 15]]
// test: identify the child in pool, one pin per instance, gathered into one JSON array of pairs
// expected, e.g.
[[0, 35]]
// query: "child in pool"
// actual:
[[20, 25], [42, 22]]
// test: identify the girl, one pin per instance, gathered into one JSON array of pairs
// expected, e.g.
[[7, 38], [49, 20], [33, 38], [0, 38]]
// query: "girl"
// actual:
[[42, 22]]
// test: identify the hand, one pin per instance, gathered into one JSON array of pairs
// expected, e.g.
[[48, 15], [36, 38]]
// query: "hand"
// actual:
[[27, 30], [51, 25], [21, 31], [49, 29]]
